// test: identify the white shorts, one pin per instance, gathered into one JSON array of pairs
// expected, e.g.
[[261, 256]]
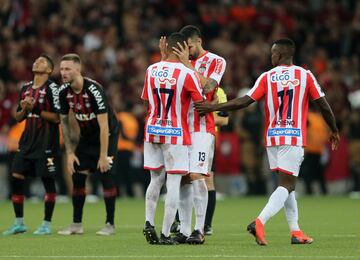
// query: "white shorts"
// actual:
[[285, 158], [173, 157], [201, 152]]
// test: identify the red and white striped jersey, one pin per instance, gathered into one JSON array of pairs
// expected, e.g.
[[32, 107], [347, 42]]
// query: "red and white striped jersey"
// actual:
[[286, 90], [211, 66], [169, 88]]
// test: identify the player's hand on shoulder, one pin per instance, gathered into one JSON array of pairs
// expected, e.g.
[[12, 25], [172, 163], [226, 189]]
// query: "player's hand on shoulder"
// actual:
[[103, 164]]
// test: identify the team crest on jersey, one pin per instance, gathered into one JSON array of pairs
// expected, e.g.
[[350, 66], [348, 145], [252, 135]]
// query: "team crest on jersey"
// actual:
[[41, 100], [78, 106], [202, 69], [87, 104]]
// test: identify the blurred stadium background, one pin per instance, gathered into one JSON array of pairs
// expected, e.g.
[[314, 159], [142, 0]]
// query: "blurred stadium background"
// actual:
[[117, 40]]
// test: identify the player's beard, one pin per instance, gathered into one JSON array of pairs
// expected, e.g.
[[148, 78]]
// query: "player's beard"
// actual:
[[194, 56]]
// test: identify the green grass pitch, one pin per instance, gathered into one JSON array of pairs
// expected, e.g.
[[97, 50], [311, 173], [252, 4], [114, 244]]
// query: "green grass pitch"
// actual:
[[333, 222]]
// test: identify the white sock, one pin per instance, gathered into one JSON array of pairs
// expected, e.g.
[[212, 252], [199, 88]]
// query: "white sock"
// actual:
[[152, 194], [275, 203], [200, 203], [171, 202], [185, 208], [291, 212]]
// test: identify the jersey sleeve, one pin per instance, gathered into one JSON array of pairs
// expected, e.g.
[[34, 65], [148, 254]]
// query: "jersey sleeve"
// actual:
[[193, 86], [63, 103], [54, 98], [217, 69], [99, 100], [259, 88], [313, 86], [144, 94]]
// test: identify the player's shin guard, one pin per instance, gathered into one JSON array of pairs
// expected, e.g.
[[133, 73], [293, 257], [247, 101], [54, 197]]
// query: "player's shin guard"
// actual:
[[50, 197], [110, 193], [17, 197], [200, 203], [78, 196]]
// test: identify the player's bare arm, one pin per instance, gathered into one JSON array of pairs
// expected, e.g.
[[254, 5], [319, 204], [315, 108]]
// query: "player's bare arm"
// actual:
[[329, 118], [50, 116], [71, 157], [26, 106], [234, 104], [103, 163]]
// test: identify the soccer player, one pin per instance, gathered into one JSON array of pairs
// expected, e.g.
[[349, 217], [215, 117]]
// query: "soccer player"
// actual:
[[38, 145], [96, 149], [286, 90], [210, 69], [168, 90]]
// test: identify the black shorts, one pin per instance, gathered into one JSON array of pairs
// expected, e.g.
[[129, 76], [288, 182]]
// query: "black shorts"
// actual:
[[35, 167], [88, 154]]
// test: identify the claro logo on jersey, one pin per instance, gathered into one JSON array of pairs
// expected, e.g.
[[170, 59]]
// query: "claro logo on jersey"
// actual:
[[163, 76], [285, 79], [98, 97], [165, 131]]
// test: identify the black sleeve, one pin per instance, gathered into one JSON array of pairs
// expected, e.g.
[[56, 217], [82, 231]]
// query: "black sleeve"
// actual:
[[98, 99], [53, 96], [64, 105]]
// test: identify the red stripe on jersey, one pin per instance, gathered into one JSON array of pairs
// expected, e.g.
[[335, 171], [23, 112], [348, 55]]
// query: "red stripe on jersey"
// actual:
[[163, 98], [275, 100], [175, 75], [212, 67], [36, 97], [296, 105], [152, 84], [185, 103], [304, 107]]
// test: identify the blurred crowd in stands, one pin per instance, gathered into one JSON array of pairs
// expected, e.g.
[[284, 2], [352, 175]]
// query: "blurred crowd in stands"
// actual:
[[117, 40]]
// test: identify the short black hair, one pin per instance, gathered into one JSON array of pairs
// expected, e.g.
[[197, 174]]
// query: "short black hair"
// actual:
[[48, 60], [175, 38], [72, 56], [288, 44], [190, 31]]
